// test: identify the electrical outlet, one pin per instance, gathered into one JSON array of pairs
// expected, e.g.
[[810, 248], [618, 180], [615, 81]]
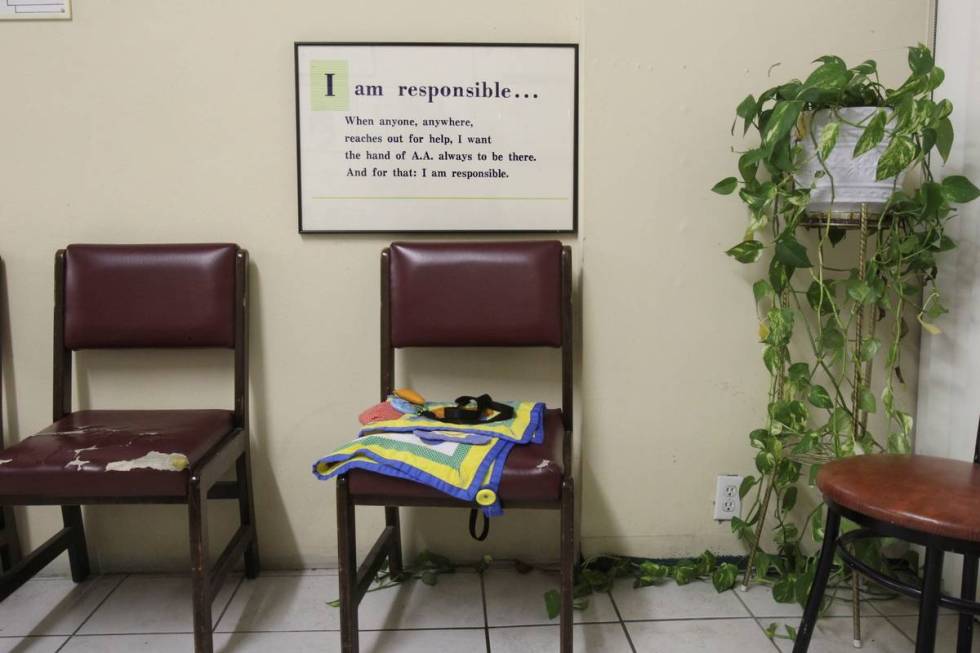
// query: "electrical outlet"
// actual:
[[727, 502]]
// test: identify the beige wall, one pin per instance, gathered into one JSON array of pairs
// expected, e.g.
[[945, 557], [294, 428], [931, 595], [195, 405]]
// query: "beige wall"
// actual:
[[173, 121]]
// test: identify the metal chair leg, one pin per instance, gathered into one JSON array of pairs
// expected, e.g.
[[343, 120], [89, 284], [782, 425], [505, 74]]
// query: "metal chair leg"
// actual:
[[197, 511], [925, 640], [77, 548], [820, 578], [395, 552], [246, 512], [347, 553], [567, 562], [856, 606], [968, 592]]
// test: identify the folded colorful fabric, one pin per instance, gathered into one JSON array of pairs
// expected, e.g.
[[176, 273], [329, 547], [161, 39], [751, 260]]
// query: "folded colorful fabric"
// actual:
[[464, 461]]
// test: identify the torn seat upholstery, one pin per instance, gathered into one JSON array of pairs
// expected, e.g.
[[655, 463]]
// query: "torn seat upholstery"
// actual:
[[114, 453]]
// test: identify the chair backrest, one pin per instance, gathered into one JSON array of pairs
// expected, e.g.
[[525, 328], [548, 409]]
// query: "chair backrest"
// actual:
[[124, 296], [150, 296], [477, 294]]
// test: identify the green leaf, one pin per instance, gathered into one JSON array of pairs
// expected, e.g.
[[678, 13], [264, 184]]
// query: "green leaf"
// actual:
[[820, 301], [726, 186], [430, 577], [824, 82], [860, 292], [866, 400], [747, 251], [920, 60], [724, 576], [748, 163], [747, 109], [873, 132], [798, 373], [782, 119], [820, 398], [896, 157], [789, 498], [552, 603], [770, 357], [653, 571], [684, 574], [959, 189], [944, 138], [867, 67], [791, 253], [779, 274], [827, 139], [784, 591], [761, 289], [869, 348], [831, 338], [747, 484]]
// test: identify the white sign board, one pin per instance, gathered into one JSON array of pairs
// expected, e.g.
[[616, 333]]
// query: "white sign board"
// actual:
[[35, 9], [436, 137]]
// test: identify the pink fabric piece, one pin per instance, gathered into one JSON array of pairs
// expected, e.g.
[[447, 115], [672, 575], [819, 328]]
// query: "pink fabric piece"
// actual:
[[378, 413]]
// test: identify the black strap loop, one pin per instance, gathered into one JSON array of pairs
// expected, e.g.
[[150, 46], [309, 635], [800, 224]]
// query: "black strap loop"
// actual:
[[462, 413], [486, 525]]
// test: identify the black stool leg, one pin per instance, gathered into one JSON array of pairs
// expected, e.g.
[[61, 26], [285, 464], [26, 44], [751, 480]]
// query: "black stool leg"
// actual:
[[819, 582], [968, 592], [925, 640]]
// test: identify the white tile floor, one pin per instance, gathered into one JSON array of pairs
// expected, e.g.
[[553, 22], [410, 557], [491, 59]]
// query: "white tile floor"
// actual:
[[503, 612]]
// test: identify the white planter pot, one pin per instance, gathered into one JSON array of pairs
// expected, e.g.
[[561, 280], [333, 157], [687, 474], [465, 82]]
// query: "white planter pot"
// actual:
[[854, 180]]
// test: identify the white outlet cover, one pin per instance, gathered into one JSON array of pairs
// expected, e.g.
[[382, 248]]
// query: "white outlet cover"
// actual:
[[727, 502]]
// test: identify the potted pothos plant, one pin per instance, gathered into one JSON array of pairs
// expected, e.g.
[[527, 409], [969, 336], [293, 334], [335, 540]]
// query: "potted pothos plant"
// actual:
[[838, 153]]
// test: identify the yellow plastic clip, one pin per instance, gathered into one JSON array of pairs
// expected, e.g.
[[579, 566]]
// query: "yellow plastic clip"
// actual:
[[410, 396], [486, 497]]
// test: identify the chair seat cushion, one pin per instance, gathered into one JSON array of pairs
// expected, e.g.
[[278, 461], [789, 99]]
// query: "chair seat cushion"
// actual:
[[533, 473], [938, 496], [113, 453]]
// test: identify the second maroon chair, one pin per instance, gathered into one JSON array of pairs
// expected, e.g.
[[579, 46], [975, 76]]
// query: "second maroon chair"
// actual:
[[513, 294]]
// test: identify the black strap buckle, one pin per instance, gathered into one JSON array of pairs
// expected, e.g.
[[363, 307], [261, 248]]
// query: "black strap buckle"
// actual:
[[463, 413]]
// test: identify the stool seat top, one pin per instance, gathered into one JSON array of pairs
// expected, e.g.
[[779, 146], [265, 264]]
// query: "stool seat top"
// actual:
[[938, 496]]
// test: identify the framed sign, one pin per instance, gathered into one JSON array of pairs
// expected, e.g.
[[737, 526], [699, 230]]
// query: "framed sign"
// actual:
[[436, 137]]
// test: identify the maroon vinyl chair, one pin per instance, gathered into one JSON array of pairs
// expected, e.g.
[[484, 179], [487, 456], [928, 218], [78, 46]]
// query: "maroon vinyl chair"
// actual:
[[142, 296], [506, 294], [9, 541]]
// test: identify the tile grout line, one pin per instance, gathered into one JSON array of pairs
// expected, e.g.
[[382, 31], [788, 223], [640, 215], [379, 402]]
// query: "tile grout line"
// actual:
[[92, 613], [486, 620], [214, 626], [626, 631], [756, 619]]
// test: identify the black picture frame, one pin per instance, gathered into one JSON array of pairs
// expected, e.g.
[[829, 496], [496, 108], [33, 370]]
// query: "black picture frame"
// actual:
[[575, 138]]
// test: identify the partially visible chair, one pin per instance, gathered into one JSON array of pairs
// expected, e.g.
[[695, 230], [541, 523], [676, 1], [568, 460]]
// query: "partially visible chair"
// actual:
[[929, 501], [142, 296], [506, 294], [9, 541]]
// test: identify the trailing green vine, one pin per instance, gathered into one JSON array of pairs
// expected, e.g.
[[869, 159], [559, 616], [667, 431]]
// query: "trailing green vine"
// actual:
[[819, 400]]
